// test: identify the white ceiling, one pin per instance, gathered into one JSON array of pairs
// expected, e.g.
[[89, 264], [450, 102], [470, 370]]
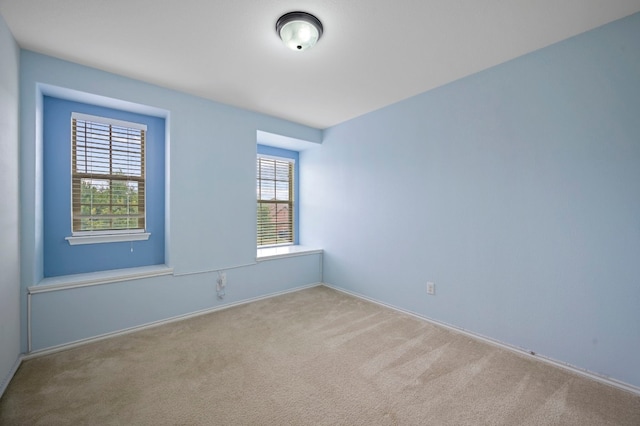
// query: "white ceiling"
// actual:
[[373, 52]]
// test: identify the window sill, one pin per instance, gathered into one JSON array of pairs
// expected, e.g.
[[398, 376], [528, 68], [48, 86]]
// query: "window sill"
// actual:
[[97, 278], [107, 238], [269, 253]]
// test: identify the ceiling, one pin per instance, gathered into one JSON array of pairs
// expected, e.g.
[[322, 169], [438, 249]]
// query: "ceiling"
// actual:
[[372, 53]]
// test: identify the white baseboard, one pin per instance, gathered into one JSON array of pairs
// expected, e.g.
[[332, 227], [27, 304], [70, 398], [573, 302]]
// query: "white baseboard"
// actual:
[[5, 382], [577, 370], [81, 342]]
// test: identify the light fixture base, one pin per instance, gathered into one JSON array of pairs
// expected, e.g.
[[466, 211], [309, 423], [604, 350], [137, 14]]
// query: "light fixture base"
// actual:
[[299, 30]]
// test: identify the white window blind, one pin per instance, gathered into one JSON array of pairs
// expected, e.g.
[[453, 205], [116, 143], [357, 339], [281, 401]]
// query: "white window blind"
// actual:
[[108, 175], [275, 200]]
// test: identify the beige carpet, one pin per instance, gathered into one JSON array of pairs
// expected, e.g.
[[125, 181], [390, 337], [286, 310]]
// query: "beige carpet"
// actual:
[[315, 357]]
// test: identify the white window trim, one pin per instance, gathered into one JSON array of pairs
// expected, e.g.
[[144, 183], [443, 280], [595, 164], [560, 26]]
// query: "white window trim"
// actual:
[[87, 279], [270, 253], [278, 158], [107, 238], [107, 120]]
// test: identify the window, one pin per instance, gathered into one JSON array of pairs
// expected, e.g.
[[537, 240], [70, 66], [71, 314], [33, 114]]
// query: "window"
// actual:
[[108, 176], [275, 194]]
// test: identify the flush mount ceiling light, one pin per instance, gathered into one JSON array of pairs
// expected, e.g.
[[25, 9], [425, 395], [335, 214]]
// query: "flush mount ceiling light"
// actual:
[[299, 30]]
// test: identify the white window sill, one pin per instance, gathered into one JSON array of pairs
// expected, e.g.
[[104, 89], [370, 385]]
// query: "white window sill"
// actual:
[[97, 278], [269, 253], [107, 238]]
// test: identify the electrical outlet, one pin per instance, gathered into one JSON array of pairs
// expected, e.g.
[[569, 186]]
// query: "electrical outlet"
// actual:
[[222, 281], [431, 288]]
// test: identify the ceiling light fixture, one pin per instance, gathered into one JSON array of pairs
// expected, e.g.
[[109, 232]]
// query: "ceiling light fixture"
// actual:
[[299, 30]]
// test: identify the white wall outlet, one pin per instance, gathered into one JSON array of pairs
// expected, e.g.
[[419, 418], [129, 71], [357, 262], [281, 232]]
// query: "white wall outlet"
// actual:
[[221, 281], [431, 288]]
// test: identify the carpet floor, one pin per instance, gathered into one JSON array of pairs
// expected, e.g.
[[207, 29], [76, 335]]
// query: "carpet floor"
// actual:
[[313, 357]]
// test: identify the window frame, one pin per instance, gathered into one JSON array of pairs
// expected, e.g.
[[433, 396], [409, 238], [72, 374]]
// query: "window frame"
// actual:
[[292, 202], [107, 235]]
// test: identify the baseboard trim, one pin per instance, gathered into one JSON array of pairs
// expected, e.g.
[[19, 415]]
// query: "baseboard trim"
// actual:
[[82, 342], [521, 351], [5, 382]]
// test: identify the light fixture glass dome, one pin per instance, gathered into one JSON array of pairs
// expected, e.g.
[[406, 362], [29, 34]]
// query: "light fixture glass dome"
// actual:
[[299, 30]]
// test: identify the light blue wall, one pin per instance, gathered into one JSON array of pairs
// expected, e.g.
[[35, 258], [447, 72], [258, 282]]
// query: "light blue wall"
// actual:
[[66, 316], [60, 258], [516, 190], [9, 213], [210, 208]]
